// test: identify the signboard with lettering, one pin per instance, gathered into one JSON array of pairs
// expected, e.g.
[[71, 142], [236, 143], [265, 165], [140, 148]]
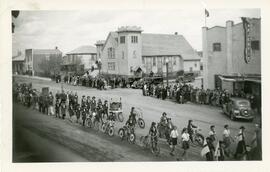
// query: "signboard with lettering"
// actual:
[[247, 39]]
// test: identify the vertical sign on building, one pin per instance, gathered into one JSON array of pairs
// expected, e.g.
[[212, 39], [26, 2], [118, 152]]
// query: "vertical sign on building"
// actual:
[[247, 39]]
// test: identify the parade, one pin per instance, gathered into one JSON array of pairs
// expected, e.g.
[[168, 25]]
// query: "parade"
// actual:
[[101, 115]]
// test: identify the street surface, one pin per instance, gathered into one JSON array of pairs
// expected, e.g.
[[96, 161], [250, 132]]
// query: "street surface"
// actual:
[[42, 138]]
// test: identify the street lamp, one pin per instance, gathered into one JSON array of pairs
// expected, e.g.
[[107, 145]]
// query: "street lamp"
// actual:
[[167, 71]]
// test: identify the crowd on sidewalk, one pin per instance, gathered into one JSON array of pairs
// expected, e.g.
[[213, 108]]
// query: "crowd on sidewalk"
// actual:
[[183, 93], [99, 82]]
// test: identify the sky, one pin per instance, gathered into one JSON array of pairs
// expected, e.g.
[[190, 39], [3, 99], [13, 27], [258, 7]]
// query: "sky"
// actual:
[[70, 29]]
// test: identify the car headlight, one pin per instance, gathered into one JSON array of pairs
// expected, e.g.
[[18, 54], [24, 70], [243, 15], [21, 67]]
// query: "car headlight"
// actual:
[[236, 111]]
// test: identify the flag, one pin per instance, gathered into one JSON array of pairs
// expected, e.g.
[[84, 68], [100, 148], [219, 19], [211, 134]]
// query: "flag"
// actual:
[[206, 13], [217, 151], [205, 149]]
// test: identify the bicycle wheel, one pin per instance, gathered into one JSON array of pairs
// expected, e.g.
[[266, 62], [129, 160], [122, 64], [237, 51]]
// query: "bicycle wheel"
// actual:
[[141, 123], [103, 127], [132, 138], [199, 140], [111, 131], [120, 117], [121, 133]]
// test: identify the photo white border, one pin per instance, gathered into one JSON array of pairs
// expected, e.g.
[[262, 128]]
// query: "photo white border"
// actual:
[[6, 83]]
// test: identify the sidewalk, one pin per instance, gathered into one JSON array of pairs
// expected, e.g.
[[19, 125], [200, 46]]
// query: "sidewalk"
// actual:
[[32, 77]]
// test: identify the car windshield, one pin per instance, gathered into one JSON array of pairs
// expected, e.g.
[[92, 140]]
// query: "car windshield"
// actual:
[[243, 103]]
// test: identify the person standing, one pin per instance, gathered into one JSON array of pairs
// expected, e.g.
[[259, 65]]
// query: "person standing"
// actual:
[[241, 145], [212, 133], [174, 136], [256, 144], [50, 104], [185, 143], [190, 131], [227, 138]]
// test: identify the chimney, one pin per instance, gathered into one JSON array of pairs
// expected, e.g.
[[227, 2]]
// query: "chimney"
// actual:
[[176, 33], [56, 48]]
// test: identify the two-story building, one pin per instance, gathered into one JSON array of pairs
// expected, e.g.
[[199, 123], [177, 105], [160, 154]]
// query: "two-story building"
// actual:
[[128, 50], [35, 58], [80, 59], [232, 56], [18, 63]]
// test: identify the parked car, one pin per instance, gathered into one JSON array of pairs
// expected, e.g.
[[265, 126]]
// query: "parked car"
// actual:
[[238, 108]]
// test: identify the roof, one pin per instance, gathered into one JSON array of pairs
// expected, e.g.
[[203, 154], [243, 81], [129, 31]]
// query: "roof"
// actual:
[[114, 35], [19, 57], [46, 51], [86, 49], [166, 45]]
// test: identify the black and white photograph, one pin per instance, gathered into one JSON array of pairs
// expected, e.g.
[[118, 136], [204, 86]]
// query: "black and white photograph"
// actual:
[[136, 85]]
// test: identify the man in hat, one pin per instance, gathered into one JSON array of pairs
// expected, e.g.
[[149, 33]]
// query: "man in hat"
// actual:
[[93, 104], [241, 145]]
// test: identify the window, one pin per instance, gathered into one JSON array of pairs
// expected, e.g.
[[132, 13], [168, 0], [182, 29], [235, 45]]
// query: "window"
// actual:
[[190, 69], [195, 64], [216, 46], [111, 53], [111, 65], [143, 60], [174, 60], [122, 39], [201, 67], [134, 54], [123, 54], [255, 45], [154, 61], [134, 39]]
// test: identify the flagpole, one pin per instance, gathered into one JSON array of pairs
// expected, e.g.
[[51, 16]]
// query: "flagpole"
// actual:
[[204, 20]]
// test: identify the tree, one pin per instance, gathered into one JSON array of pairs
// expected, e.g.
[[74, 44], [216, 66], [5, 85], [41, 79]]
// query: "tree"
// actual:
[[51, 65]]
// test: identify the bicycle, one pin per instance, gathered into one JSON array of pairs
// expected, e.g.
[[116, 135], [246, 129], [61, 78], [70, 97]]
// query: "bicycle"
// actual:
[[127, 133], [108, 128], [150, 142], [197, 138]]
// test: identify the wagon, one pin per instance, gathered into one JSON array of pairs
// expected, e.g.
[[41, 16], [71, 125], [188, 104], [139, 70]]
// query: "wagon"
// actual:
[[115, 109]]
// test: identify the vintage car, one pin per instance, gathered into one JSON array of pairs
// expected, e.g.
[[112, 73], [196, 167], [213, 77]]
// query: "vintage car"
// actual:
[[238, 108]]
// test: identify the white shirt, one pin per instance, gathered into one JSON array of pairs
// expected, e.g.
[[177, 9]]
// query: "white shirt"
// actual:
[[174, 134], [185, 137], [212, 133], [226, 133]]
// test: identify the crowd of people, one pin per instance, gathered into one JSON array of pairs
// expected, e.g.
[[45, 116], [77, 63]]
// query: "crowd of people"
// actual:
[[100, 82], [183, 93], [61, 104]]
